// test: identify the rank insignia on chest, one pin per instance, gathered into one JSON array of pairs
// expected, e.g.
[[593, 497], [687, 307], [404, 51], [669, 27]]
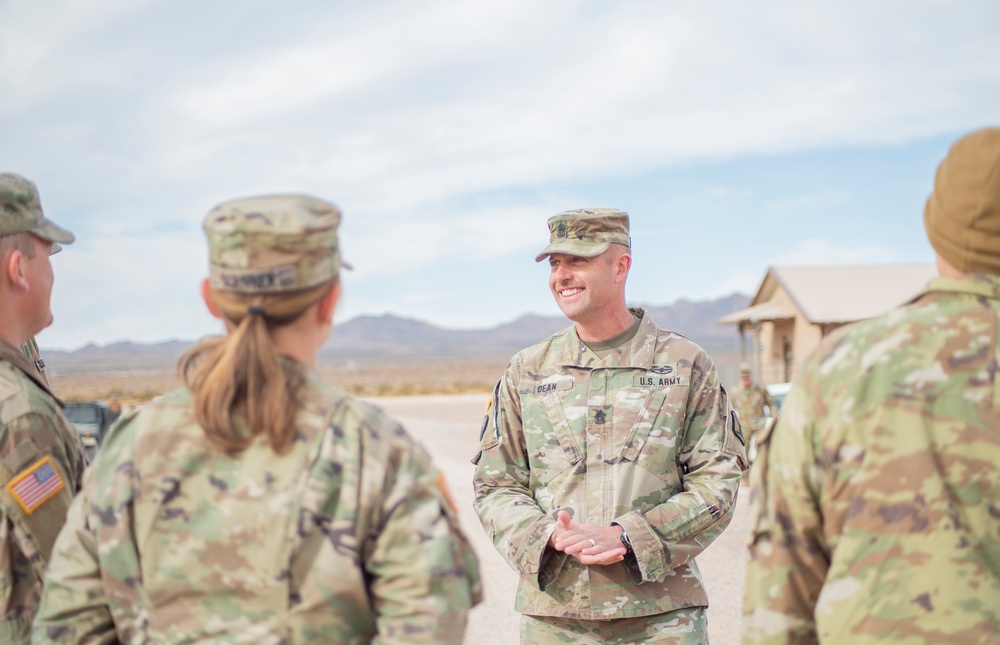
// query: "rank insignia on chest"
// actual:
[[36, 485], [600, 414]]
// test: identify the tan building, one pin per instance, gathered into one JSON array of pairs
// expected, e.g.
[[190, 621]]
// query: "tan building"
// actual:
[[796, 306]]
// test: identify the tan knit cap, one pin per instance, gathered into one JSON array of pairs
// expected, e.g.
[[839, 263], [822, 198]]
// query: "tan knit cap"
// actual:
[[962, 215]]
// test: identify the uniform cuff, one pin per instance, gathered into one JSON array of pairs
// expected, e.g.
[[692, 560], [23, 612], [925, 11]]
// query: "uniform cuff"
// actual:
[[651, 559]]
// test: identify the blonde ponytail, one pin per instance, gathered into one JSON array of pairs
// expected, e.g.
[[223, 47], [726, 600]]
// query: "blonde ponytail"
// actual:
[[239, 386]]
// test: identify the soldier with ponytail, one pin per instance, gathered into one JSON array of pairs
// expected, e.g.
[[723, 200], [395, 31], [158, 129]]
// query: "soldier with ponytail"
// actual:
[[258, 503]]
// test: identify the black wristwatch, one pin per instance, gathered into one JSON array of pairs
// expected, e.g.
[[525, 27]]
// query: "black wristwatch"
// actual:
[[627, 543]]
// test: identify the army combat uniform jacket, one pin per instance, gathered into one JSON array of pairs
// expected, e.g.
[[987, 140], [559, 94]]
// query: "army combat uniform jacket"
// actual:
[[347, 538], [879, 516], [644, 438], [41, 467]]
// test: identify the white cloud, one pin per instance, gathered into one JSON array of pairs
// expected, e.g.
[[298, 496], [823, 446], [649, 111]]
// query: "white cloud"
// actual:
[[47, 48], [441, 126]]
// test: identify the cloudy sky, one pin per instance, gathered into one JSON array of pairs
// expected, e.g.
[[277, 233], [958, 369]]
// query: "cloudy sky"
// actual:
[[737, 135]]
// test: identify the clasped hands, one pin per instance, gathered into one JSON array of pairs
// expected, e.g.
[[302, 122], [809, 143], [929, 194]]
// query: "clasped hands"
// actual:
[[587, 543]]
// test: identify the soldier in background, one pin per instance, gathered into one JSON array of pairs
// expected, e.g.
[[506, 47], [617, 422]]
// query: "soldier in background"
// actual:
[[41, 463], [755, 406], [259, 504], [876, 514], [611, 459]]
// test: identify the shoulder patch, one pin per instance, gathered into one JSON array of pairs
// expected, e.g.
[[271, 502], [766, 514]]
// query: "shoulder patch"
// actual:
[[36, 485]]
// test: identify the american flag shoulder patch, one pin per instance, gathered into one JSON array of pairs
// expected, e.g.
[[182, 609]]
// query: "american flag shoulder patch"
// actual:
[[36, 485]]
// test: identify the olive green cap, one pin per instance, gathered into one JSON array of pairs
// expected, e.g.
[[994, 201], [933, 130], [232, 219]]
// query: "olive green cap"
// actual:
[[962, 215], [21, 212], [586, 232], [272, 243]]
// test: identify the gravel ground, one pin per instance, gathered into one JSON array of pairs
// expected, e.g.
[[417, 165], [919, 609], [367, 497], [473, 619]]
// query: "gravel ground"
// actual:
[[449, 427]]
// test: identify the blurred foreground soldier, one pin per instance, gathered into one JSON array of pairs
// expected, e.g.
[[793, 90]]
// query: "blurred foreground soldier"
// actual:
[[877, 510], [41, 463], [258, 504], [754, 404], [609, 460]]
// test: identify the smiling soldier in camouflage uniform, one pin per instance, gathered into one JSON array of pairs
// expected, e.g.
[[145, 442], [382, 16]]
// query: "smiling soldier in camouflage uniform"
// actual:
[[289, 513], [610, 458], [877, 510], [41, 461]]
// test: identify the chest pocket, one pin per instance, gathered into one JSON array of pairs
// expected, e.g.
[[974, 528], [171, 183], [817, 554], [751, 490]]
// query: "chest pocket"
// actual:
[[658, 432], [552, 446]]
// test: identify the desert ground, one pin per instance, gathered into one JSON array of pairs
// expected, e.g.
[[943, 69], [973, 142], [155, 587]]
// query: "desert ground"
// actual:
[[411, 378]]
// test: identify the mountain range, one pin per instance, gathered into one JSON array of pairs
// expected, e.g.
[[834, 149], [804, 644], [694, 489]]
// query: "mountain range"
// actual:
[[390, 338]]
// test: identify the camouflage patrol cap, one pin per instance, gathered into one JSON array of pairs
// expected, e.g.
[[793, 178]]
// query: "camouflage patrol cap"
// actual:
[[21, 212], [745, 369], [272, 243], [586, 232], [962, 215]]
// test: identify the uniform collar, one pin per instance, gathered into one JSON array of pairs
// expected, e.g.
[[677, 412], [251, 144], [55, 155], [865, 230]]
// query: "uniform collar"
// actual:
[[13, 355], [980, 284], [637, 353]]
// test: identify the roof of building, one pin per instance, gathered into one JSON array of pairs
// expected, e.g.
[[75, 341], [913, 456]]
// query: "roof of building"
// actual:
[[836, 293], [770, 310]]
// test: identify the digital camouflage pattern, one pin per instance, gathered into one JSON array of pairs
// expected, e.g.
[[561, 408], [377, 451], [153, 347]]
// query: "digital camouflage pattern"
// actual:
[[644, 438], [681, 627], [31, 428], [586, 232], [753, 404], [347, 538], [272, 243], [877, 510], [21, 211]]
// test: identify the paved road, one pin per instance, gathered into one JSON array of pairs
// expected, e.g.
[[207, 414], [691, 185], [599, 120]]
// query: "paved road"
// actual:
[[449, 427]]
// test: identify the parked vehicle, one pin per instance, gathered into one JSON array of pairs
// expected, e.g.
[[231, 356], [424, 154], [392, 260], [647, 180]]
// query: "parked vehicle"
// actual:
[[778, 392], [91, 420]]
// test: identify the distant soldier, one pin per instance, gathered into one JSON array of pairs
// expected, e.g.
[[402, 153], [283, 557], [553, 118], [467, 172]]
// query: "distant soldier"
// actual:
[[41, 463], [755, 406], [877, 511], [259, 504], [611, 460]]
